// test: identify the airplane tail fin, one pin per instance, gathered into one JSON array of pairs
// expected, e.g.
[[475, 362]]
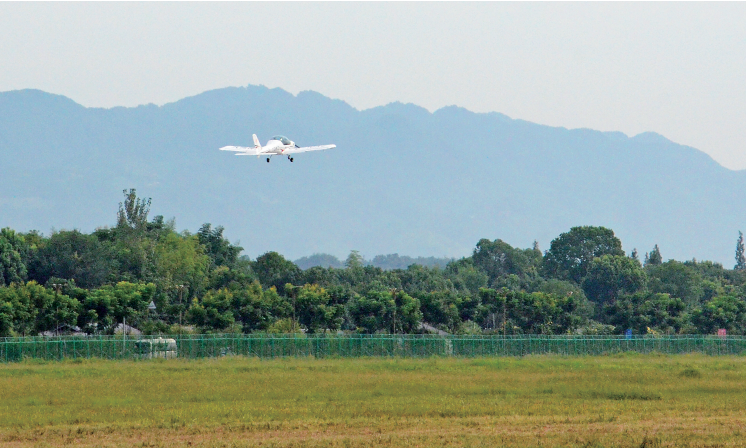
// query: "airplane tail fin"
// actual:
[[256, 141]]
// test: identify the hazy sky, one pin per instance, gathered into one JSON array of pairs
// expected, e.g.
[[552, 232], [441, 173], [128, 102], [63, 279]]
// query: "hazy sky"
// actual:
[[674, 68]]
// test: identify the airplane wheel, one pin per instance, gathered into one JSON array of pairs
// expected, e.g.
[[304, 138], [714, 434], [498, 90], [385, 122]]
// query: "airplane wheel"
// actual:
[[291, 159], [268, 160]]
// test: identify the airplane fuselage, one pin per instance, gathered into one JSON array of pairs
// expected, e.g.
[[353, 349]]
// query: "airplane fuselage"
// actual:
[[277, 145]]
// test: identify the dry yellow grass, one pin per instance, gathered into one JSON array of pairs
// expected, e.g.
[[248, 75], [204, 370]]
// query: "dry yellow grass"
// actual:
[[627, 401]]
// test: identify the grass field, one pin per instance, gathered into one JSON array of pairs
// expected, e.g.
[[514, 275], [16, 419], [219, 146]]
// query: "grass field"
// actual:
[[626, 400]]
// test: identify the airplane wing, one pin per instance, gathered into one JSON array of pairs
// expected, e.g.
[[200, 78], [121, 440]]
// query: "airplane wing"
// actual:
[[242, 150], [308, 148]]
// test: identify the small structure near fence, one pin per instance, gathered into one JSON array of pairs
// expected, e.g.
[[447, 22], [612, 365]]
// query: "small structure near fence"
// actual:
[[350, 346], [156, 348]]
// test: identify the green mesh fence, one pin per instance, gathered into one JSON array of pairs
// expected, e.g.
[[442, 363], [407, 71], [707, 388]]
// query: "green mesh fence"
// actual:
[[351, 346]]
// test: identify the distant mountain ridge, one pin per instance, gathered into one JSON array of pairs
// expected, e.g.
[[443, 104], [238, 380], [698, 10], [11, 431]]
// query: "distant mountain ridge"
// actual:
[[386, 262], [402, 179]]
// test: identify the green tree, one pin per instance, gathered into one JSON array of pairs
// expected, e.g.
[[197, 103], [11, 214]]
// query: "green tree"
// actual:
[[134, 257], [133, 212], [564, 288], [492, 309], [73, 255], [321, 276], [466, 277], [612, 275], [369, 311], [572, 252], [135, 238], [390, 311], [13, 255], [131, 301], [35, 309], [560, 288], [654, 257], [18, 311], [540, 313], [676, 279], [213, 312], [273, 269], [441, 309], [727, 312], [218, 248], [180, 260], [739, 253], [315, 309], [354, 260], [418, 278], [645, 311], [54, 308], [109, 305], [6, 316], [251, 307], [407, 317], [240, 275], [498, 259], [634, 256]]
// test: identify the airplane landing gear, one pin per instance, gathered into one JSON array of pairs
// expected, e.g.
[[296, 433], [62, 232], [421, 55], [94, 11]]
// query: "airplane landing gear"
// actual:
[[291, 159], [268, 160]]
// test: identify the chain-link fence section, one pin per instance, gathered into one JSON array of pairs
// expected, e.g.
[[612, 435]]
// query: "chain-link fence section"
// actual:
[[351, 346]]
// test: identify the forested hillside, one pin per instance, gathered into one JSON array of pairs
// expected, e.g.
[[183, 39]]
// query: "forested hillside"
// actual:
[[198, 282], [401, 180]]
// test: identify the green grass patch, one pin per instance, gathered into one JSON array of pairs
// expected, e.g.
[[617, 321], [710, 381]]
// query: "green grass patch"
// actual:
[[690, 373], [481, 399]]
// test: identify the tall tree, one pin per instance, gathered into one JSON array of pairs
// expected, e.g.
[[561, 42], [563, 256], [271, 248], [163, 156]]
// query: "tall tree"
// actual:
[[498, 259], [273, 269], [572, 252], [180, 260], [420, 278], [465, 276], [739, 253], [634, 255], [218, 248], [133, 212], [677, 279], [654, 257], [612, 275], [13, 252], [72, 255], [354, 260]]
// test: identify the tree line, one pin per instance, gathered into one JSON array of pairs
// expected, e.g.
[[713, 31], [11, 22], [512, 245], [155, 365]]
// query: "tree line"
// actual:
[[163, 281]]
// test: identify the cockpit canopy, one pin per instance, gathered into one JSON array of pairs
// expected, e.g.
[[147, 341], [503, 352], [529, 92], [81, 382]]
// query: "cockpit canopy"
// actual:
[[282, 139]]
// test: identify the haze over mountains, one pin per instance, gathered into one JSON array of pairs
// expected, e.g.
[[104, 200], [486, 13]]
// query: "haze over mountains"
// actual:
[[401, 179]]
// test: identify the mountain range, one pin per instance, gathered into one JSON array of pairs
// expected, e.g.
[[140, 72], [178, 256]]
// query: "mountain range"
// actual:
[[401, 180]]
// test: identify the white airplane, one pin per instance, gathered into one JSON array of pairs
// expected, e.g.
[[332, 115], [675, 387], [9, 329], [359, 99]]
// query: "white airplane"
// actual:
[[277, 146]]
